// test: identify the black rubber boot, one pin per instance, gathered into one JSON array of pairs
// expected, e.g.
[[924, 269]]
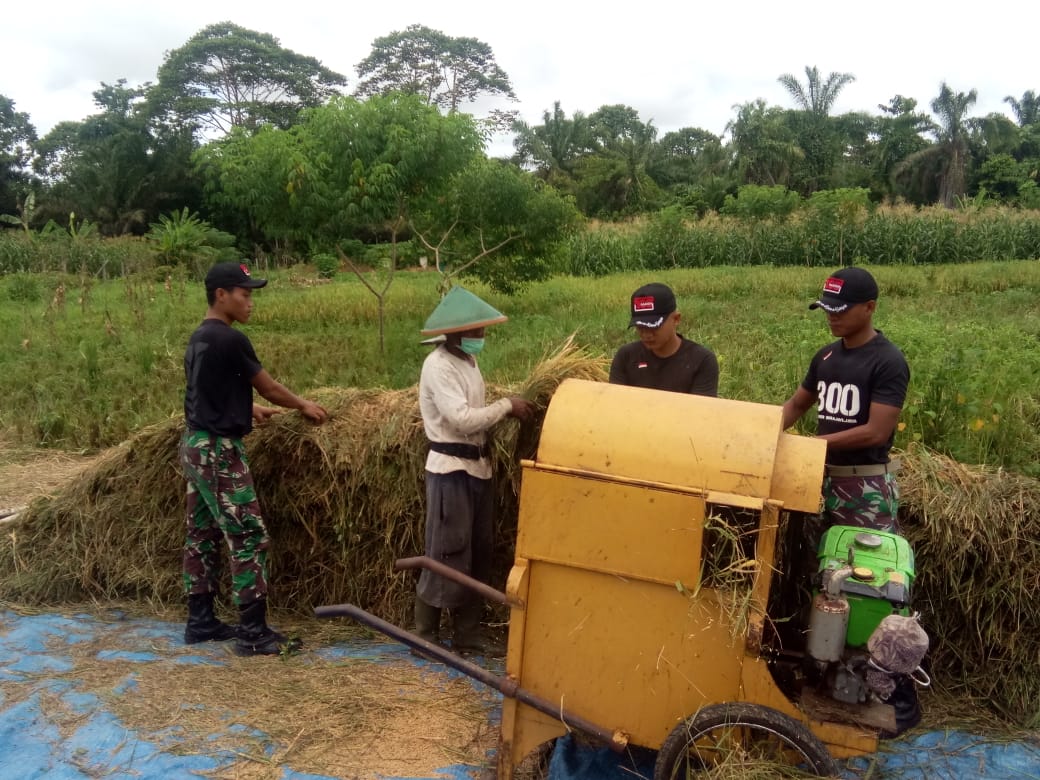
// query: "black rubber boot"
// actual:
[[427, 621], [427, 624], [467, 637], [255, 637], [203, 624]]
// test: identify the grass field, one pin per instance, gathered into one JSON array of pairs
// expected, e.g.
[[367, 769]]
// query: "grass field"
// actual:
[[83, 364]]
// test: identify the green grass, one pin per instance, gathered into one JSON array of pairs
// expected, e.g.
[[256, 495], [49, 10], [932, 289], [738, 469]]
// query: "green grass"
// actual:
[[85, 374]]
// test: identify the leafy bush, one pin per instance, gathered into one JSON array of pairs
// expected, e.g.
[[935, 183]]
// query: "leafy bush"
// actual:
[[758, 202], [23, 288], [183, 239], [326, 264]]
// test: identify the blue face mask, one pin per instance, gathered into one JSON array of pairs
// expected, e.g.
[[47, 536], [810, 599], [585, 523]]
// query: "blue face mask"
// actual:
[[471, 346]]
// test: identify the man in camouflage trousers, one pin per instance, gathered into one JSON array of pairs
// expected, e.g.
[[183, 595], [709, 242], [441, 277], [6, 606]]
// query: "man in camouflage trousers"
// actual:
[[858, 384], [231, 500], [222, 371]]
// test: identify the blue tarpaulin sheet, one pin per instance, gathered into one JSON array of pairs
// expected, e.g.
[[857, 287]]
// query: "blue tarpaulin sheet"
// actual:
[[33, 652]]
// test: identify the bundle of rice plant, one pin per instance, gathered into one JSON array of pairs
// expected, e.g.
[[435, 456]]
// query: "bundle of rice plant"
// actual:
[[976, 541], [342, 502]]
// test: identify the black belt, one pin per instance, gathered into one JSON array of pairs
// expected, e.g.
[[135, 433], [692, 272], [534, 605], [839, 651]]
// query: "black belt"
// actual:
[[458, 450]]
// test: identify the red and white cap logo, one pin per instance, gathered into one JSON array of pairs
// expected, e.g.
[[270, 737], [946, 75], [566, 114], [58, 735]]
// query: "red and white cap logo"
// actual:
[[833, 285], [642, 303], [244, 269]]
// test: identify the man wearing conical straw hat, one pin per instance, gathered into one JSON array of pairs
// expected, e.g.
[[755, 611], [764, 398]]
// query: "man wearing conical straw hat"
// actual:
[[459, 496]]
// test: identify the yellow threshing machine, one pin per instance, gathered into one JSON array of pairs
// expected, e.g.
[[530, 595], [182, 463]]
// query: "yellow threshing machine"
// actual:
[[632, 617]]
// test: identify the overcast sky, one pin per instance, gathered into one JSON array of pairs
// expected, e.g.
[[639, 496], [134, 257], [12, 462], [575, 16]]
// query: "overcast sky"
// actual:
[[678, 64]]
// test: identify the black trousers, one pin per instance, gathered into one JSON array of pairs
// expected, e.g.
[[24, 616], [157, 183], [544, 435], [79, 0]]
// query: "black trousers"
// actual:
[[459, 534]]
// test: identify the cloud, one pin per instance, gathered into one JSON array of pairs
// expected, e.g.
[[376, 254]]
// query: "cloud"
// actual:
[[678, 64]]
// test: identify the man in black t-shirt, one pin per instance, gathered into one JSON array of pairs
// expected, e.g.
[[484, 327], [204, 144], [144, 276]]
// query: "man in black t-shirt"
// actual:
[[222, 371], [662, 359], [859, 385]]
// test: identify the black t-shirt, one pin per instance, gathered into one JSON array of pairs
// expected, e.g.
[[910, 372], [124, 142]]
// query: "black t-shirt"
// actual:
[[219, 366], [692, 369], [847, 381]]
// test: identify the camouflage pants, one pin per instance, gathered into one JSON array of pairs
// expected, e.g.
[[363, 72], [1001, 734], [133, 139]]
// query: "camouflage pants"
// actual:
[[868, 502], [222, 508]]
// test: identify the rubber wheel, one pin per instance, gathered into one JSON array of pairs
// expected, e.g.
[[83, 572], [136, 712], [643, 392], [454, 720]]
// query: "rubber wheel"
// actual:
[[737, 734]]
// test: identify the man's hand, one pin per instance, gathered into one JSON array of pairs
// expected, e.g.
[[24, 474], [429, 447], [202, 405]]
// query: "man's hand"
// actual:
[[522, 408], [314, 412], [262, 414]]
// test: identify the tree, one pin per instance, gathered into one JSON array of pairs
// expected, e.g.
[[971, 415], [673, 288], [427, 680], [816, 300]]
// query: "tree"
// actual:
[[247, 190], [365, 167], [1027, 110], [17, 136], [116, 168], [226, 76], [814, 130], [553, 147], [446, 72], [1027, 113], [952, 109], [613, 178], [816, 96], [497, 223], [764, 146], [1002, 176], [900, 135], [686, 155], [946, 161], [182, 239], [837, 213], [695, 167], [856, 133]]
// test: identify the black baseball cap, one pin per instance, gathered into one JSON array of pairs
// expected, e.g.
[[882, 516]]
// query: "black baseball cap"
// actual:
[[846, 288], [651, 304], [224, 276]]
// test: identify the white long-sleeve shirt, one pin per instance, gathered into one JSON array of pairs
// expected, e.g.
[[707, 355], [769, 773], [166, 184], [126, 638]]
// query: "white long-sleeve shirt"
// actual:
[[451, 401]]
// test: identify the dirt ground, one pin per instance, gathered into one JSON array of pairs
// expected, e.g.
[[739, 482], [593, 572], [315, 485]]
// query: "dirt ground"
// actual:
[[405, 720]]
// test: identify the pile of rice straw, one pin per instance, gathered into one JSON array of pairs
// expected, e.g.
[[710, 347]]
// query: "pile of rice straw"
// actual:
[[342, 502], [345, 500]]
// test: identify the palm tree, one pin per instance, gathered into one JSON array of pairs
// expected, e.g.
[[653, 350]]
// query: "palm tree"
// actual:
[[617, 170], [815, 131], [946, 161], [1027, 110], [815, 97], [952, 137], [554, 146]]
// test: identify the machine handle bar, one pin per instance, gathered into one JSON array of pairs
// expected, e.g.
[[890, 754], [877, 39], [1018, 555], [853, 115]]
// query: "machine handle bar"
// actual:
[[425, 562], [615, 740]]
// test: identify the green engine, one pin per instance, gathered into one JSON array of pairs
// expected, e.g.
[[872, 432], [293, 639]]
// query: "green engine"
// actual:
[[882, 574]]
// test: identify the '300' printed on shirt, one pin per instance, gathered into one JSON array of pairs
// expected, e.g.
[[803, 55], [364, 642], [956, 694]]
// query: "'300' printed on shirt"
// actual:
[[836, 398]]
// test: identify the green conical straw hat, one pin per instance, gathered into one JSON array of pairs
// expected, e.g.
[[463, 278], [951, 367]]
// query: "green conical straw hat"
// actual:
[[461, 310]]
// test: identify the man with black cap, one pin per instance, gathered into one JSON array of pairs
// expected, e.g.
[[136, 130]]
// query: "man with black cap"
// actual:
[[662, 359], [222, 371], [459, 495], [859, 384]]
